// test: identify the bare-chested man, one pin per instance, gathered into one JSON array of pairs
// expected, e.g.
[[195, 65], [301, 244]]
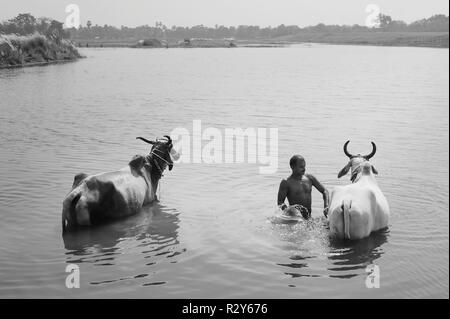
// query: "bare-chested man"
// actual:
[[297, 189]]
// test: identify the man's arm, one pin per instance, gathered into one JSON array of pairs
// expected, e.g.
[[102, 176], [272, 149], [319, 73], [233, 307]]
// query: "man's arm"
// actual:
[[324, 192], [282, 193]]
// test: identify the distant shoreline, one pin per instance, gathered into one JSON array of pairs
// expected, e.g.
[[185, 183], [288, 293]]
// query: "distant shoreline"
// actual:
[[386, 39], [400, 39], [393, 39]]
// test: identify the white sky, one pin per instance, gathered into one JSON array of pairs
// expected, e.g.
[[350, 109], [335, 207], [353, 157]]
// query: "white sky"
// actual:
[[224, 12]]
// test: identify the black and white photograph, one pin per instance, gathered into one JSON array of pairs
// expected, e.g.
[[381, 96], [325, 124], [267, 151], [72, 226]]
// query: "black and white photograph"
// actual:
[[224, 150]]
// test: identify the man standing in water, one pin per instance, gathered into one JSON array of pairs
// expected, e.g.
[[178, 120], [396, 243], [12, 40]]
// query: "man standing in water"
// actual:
[[297, 188]]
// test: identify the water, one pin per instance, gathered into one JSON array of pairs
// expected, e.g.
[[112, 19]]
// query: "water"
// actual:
[[213, 234]]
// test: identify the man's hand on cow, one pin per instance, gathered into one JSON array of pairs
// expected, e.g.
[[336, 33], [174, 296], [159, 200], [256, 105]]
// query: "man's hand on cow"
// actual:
[[325, 211]]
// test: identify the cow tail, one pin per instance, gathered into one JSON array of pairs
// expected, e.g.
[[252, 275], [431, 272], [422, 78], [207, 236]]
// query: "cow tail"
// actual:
[[346, 218]]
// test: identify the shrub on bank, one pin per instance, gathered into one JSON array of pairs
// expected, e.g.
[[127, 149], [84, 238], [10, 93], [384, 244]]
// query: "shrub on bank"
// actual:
[[16, 50]]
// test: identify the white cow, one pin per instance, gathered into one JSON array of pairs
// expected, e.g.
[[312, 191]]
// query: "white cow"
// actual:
[[360, 208]]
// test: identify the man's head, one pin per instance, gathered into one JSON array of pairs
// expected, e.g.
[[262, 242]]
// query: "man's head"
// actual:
[[298, 164]]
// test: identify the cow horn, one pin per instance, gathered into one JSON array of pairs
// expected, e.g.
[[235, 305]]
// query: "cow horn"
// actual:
[[374, 150], [145, 140], [345, 150]]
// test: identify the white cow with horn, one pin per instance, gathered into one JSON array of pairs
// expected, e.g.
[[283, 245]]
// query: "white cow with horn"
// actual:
[[358, 209]]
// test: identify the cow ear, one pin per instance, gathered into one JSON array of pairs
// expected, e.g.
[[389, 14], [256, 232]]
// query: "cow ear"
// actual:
[[374, 170], [78, 179], [175, 156], [136, 162], [344, 170]]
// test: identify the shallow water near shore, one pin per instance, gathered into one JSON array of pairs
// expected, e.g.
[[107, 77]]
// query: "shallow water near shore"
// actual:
[[214, 233]]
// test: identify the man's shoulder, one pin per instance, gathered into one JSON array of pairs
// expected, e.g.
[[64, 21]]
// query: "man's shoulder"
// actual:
[[311, 177], [288, 179], [314, 181], [287, 182]]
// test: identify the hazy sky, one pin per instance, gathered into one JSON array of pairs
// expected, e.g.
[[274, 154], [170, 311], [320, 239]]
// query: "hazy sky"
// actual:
[[224, 12]]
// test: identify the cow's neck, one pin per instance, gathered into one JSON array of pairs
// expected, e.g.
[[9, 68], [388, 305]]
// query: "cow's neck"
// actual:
[[360, 176], [155, 174], [356, 172]]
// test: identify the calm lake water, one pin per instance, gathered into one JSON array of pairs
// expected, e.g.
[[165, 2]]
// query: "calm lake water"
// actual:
[[213, 234]]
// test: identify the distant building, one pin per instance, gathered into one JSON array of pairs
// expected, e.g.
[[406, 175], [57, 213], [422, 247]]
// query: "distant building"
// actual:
[[155, 43]]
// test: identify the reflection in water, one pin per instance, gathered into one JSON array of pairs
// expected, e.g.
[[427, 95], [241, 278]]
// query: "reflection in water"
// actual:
[[151, 222], [152, 234], [308, 242], [349, 255]]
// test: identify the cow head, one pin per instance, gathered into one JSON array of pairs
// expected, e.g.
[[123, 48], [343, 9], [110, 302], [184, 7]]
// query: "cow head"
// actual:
[[161, 153], [356, 161]]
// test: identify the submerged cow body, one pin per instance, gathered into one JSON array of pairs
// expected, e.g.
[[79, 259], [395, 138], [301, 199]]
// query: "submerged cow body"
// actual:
[[95, 199], [358, 209]]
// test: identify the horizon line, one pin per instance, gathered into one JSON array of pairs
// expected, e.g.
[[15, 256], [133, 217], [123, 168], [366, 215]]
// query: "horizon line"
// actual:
[[226, 26]]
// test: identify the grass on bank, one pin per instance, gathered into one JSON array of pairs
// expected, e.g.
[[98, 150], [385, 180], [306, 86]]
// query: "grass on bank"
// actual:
[[16, 50]]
